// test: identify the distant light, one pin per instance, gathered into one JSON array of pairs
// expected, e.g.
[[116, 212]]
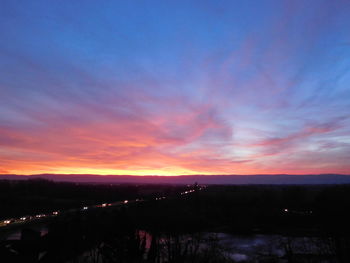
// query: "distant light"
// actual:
[[55, 213], [23, 218], [40, 215], [85, 208], [104, 205], [126, 201], [286, 210]]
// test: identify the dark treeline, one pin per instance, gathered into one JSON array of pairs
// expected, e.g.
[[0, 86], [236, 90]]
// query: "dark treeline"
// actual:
[[268, 208], [182, 228]]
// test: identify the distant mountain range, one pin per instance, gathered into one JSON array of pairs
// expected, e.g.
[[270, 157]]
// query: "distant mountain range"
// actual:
[[190, 179]]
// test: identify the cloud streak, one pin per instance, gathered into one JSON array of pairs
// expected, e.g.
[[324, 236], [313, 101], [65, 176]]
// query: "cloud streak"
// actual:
[[210, 90]]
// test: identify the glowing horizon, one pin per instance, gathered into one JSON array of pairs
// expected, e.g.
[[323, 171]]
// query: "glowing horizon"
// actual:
[[175, 88]]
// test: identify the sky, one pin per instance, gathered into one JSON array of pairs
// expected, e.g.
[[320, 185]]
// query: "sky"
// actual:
[[174, 87]]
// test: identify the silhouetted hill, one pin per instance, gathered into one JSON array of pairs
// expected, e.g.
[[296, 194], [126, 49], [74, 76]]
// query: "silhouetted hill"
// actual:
[[189, 179]]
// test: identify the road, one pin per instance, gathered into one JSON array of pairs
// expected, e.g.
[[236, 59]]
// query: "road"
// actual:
[[40, 217]]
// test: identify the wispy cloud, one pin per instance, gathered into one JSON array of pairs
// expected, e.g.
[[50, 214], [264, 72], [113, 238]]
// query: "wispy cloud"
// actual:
[[177, 88]]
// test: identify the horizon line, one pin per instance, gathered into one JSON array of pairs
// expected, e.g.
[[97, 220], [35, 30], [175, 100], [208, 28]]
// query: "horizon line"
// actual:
[[155, 175]]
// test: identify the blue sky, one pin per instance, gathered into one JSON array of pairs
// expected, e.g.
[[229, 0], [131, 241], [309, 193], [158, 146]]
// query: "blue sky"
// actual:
[[174, 87]]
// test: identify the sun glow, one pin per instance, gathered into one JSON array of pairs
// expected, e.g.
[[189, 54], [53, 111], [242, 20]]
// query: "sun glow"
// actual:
[[77, 170]]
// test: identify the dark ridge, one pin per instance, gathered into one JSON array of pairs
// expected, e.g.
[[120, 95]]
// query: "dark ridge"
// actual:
[[189, 179]]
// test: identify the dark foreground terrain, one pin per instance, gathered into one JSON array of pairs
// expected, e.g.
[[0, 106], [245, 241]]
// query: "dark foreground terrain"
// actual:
[[43, 221]]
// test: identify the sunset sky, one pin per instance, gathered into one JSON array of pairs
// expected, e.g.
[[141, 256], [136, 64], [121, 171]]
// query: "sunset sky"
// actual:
[[146, 87]]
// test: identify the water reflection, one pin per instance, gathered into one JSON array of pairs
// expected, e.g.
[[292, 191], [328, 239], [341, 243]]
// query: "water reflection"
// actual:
[[230, 247]]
